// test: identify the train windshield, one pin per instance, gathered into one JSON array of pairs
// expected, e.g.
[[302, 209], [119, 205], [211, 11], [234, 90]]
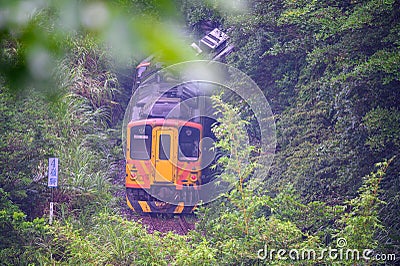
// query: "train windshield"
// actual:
[[189, 139], [141, 142]]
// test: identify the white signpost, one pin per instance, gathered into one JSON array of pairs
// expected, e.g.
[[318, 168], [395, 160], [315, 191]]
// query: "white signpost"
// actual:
[[51, 212], [52, 183]]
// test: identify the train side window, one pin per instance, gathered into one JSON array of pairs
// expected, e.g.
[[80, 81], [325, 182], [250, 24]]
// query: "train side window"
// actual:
[[189, 139], [141, 142], [164, 147]]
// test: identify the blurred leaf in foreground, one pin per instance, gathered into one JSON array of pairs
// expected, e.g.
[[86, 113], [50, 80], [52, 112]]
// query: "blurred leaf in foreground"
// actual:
[[36, 34]]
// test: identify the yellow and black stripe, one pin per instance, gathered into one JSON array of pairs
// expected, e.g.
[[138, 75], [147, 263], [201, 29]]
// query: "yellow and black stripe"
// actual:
[[142, 206]]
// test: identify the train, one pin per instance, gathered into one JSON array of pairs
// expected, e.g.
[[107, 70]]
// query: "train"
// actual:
[[168, 138]]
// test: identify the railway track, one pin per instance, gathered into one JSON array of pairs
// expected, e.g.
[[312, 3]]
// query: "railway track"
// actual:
[[184, 225], [163, 224]]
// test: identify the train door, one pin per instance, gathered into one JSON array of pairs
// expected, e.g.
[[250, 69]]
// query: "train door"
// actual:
[[164, 153]]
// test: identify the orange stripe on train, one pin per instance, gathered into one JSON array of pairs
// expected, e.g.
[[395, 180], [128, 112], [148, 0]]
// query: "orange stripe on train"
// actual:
[[143, 174]]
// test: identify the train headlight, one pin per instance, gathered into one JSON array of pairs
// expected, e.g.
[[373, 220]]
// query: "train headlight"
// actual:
[[134, 175], [193, 177]]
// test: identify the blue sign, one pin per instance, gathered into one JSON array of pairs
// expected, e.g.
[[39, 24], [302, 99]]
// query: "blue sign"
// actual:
[[53, 172]]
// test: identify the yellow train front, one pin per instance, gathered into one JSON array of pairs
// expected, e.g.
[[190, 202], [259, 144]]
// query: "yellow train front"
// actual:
[[163, 168]]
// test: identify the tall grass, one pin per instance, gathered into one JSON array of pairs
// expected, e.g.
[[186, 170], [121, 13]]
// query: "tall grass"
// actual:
[[85, 113]]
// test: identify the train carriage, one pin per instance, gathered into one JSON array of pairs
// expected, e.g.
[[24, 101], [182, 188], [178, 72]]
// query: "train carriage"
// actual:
[[164, 137]]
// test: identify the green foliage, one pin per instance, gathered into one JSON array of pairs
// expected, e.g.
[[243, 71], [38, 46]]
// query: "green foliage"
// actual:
[[360, 225], [111, 240], [325, 67], [19, 236], [383, 128], [196, 12], [329, 68], [314, 218], [27, 139]]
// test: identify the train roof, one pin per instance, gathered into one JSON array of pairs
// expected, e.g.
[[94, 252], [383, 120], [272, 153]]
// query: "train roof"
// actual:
[[165, 122]]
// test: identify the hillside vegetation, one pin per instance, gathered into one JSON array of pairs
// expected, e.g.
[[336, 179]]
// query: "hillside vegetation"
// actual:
[[329, 69]]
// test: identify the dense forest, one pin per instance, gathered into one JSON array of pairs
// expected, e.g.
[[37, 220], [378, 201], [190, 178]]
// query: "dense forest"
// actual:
[[329, 69]]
